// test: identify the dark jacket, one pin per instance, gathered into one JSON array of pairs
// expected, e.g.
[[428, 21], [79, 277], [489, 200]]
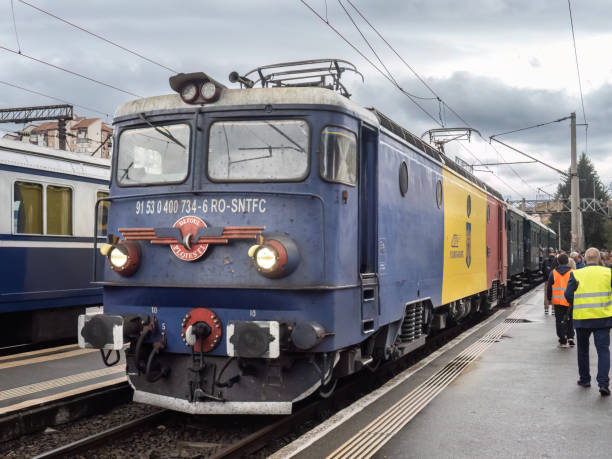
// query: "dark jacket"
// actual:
[[548, 265], [551, 279], [572, 285], [580, 264]]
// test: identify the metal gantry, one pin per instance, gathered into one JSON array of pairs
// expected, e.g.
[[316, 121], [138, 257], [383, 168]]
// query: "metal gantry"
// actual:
[[542, 206], [61, 113]]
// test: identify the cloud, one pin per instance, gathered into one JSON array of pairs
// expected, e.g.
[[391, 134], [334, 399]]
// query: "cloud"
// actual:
[[436, 38]]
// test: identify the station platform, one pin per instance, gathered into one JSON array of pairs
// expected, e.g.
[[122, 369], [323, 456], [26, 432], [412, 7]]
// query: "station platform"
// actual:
[[502, 389], [33, 379]]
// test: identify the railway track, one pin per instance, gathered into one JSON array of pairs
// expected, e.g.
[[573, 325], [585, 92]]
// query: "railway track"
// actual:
[[91, 442], [274, 432]]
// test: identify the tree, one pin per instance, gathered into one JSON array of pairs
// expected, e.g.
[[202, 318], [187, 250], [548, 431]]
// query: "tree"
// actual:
[[594, 225]]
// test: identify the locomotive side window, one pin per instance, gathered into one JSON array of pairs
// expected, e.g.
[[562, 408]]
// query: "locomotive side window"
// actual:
[[59, 210], [338, 155], [255, 151], [403, 178], [28, 208], [153, 155], [102, 213], [439, 196]]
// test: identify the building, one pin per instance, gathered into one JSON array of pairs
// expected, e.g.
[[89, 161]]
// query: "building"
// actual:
[[83, 135]]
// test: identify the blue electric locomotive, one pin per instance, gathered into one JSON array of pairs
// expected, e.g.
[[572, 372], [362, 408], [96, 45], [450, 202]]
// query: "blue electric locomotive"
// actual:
[[47, 200], [264, 242]]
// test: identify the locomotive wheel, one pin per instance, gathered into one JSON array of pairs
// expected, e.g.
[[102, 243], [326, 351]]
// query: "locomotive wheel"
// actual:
[[328, 389]]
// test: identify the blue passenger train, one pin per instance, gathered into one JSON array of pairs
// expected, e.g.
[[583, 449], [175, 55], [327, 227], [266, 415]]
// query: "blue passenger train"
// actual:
[[46, 224], [264, 242]]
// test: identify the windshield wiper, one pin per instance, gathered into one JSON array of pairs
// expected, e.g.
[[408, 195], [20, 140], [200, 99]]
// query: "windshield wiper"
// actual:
[[126, 171], [281, 132], [165, 132]]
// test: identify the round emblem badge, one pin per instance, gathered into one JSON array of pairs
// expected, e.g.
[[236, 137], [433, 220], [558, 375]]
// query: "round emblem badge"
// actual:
[[189, 226]]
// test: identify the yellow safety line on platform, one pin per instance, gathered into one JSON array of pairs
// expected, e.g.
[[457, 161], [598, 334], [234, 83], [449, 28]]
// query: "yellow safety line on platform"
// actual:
[[40, 351], [59, 382], [51, 398], [46, 358]]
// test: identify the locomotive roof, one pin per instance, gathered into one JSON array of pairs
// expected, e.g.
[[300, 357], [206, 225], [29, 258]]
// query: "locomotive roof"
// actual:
[[253, 96], [23, 154], [306, 96]]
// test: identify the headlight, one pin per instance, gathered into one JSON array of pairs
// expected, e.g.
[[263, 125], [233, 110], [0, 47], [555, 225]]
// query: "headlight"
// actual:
[[124, 258], [278, 256], [266, 258], [209, 90], [189, 93], [117, 258]]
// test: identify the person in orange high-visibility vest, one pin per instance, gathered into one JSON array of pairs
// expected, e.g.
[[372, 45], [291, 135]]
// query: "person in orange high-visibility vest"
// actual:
[[555, 293]]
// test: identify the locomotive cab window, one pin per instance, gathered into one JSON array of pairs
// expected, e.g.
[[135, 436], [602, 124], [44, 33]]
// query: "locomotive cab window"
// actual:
[[150, 156], [258, 151], [338, 155]]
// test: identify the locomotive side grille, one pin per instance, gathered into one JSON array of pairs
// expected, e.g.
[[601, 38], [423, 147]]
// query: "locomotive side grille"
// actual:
[[412, 327], [493, 291]]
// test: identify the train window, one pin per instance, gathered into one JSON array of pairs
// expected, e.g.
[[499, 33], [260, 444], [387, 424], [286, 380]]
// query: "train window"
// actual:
[[28, 208], [469, 205], [339, 155], [149, 156], [59, 210], [256, 151], [403, 178], [102, 214], [488, 213], [439, 196]]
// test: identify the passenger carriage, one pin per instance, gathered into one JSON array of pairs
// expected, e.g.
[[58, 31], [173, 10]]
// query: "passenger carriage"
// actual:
[[46, 224]]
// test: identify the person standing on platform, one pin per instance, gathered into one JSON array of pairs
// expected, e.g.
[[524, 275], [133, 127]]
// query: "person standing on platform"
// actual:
[[577, 259], [589, 293], [547, 266], [555, 293]]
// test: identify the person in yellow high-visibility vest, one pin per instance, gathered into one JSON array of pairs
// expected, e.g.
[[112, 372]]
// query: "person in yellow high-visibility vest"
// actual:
[[589, 293], [555, 291]]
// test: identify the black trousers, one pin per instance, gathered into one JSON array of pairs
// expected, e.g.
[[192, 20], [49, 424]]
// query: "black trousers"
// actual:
[[565, 327]]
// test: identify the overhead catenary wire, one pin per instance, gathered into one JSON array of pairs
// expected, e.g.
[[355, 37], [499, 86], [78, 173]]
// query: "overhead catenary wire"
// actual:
[[586, 125], [367, 42], [530, 127], [83, 29], [54, 98], [510, 188], [569, 5], [565, 174], [15, 26], [406, 63], [437, 96], [442, 103], [410, 96], [63, 69]]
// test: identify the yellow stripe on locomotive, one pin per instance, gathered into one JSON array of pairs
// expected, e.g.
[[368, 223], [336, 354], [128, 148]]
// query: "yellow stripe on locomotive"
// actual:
[[465, 268]]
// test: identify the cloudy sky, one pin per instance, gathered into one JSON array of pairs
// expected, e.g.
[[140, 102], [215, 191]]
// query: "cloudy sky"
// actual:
[[500, 64]]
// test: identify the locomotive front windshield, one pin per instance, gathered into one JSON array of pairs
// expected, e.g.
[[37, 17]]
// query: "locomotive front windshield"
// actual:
[[153, 155], [271, 150]]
